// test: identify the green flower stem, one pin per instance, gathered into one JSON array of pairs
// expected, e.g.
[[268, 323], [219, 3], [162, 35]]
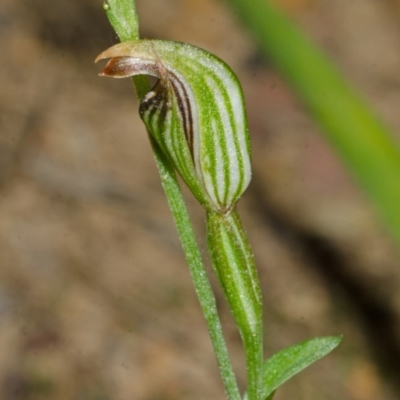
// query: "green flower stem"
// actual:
[[123, 18], [363, 142], [254, 354], [233, 262]]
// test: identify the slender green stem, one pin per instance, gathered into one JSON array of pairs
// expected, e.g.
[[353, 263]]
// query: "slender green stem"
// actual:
[[254, 360], [254, 363], [233, 261], [123, 18], [253, 342]]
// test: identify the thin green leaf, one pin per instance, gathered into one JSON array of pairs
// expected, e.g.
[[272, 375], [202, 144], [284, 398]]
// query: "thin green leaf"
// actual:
[[290, 361], [362, 141]]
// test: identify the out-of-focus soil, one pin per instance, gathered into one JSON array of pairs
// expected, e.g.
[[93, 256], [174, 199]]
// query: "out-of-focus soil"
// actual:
[[96, 302]]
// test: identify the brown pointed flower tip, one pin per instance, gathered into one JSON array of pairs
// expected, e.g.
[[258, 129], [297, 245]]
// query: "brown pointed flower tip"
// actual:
[[117, 67], [114, 68]]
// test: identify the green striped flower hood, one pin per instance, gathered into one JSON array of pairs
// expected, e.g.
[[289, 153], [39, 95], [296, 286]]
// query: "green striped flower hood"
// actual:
[[195, 113]]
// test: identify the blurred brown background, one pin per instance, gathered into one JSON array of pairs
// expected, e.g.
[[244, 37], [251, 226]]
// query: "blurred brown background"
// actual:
[[96, 302]]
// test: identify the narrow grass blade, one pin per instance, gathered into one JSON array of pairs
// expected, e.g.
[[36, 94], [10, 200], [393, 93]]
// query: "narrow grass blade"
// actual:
[[362, 141]]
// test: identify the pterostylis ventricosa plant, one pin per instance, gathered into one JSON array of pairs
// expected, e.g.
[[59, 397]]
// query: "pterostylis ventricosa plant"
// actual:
[[196, 121]]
